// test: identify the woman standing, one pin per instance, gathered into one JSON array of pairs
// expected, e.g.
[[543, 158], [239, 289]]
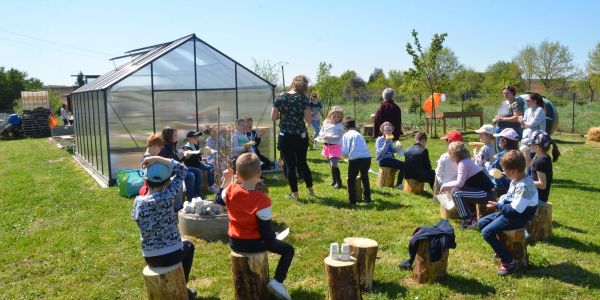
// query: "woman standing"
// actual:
[[292, 110], [535, 116], [388, 111], [509, 112]]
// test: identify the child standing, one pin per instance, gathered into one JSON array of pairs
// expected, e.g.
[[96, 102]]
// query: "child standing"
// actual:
[[485, 154], [239, 140], [385, 150], [541, 167], [331, 135], [359, 160], [156, 219], [250, 214], [316, 111], [515, 209]]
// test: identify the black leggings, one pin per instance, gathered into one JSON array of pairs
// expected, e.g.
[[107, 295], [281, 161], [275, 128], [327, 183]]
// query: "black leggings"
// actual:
[[293, 148], [185, 256], [275, 246]]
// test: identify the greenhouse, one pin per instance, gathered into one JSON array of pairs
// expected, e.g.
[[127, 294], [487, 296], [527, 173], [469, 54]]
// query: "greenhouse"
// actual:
[[181, 84]]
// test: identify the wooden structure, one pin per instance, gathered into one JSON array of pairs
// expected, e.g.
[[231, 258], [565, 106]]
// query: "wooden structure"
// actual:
[[387, 177], [540, 227], [483, 210], [342, 279], [443, 115], [514, 241], [365, 252], [165, 283], [413, 186], [449, 214], [358, 188], [368, 129], [426, 271], [250, 275]]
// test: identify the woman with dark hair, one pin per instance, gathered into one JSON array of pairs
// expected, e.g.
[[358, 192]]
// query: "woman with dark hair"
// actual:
[[292, 111], [510, 110], [193, 177], [535, 116]]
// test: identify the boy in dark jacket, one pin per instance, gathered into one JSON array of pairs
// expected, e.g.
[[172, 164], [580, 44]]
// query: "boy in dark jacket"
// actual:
[[416, 161]]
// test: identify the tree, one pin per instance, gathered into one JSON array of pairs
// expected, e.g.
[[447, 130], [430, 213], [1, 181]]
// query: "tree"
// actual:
[[593, 63], [554, 63], [526, 60], [267, 70], [12, 83], [328, 87], [501, 74], [354, 88], [467, 82], [80, 80], [395, 79], [427, 64], [586, 82], [378, 84], [447, 66], [375, 74]]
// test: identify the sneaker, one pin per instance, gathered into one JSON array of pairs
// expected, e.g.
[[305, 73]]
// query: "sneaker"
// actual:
[[468, 224], [278, 289], [191, 293], [291, 196], [400, 186], [507, 268]]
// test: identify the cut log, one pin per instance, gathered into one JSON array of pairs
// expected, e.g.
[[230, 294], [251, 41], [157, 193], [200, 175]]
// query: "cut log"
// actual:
[[165, 283], [540, 227], [483, 210], [426, 271], [358, 189], [250, 275], [342, 279], [365, 252], [449, 214], [413, 186], [387, 177], [514, 241]]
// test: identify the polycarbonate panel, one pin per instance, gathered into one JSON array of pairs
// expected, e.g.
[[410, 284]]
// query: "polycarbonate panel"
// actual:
[[210, 102], [103, 141], [96, 132], [246, 79], [138, 81], [76, 117], [92, 122], [86, 142], [175, 70], [213, 70], [176, 110]]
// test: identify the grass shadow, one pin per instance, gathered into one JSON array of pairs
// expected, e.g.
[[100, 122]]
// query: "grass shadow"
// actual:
[[302, 293], [556, 224], [568, 273], [572, 184], [378, 205], [278, 226], [568, 142], [471, 286], [392, 290], [571, 243]]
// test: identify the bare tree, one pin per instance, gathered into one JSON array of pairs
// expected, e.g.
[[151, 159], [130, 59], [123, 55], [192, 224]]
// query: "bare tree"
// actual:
[[526, 60], [267, 70], [554, 63]]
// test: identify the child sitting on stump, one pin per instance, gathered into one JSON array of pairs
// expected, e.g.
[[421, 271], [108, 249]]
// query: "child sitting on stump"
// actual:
[[156, 219], [250, 214], [385, 150], [515, 209], [359, 160], [418, 165]]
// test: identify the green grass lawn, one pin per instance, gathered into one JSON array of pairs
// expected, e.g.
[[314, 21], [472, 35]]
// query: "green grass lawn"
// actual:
[[63, 237]]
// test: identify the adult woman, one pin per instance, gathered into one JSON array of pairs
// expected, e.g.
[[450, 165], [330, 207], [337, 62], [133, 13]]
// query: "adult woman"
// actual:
[[193, 177], [388, 111], [509, 112], [535, 116], [292, 110]]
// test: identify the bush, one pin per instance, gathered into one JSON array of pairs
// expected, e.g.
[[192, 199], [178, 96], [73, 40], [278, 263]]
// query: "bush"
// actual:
[[473, 107]]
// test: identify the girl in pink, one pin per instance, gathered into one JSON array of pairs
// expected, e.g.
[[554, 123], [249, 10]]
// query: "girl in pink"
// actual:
[[331, 135]]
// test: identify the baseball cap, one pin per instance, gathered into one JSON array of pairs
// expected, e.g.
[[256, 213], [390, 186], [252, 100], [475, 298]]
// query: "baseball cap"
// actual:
[[453, 136], [486, 128], [540, 138], [508, 133], [157, 172], [193, 133]]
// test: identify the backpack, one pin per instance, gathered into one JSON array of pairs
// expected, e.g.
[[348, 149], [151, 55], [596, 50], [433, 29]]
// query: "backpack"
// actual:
[[129, 182]]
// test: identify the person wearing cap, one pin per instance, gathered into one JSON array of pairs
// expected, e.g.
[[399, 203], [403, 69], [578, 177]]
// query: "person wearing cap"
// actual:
[[316, 110], [446, 168], [156, 219], [541, 167], [388, 111], [194, 159], [510, 110], [508, 140], [485, 154]]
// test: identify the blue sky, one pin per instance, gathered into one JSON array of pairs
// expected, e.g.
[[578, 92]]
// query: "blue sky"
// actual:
[[51, 40]]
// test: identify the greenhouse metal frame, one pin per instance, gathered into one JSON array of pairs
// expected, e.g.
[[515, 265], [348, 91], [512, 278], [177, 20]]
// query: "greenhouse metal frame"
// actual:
[[180, 84]]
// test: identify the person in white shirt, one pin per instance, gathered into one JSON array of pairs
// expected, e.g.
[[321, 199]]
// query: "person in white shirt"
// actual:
[[446, 168], [359, 160]]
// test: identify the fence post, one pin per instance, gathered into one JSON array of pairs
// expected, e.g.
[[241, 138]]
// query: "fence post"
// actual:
[[574, 95]]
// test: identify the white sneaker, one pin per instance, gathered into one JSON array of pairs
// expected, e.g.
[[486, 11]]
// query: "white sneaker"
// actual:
[[278, 289], [400, 186]]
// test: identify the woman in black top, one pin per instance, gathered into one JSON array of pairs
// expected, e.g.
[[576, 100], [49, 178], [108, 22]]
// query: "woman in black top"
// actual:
[[291, 109]]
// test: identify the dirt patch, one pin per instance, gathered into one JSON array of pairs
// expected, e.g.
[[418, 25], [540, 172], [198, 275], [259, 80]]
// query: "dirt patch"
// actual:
[[56, 160]]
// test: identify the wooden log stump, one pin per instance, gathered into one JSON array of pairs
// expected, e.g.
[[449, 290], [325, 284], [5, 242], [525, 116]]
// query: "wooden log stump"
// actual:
[[413, 186], [365, 252], [449, 214], [426, 271], [483, 210], [250, 275], [165, 283], [514, 241], [358, 189], [540, 227], [342, 279], [387, 177]]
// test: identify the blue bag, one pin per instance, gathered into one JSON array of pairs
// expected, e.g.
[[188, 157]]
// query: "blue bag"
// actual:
[[129, 182]]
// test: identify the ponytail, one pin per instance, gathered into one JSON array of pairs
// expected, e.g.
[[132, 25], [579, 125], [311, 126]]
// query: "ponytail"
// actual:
[[555, 152]]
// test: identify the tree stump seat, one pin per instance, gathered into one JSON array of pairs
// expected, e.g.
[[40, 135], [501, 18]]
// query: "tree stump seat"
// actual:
[[413, 186], [482, 210], [449, 213], [165, 282], [387, 177], [540, 227], [514, 241], [426, 271], [365, 252], [250, 275], [358, 188], [342, 279]]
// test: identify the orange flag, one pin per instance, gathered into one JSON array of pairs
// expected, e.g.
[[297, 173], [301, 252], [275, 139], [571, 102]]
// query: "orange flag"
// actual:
[[53, 121]]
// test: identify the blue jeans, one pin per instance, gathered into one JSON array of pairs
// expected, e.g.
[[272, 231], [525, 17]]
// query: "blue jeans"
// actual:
[[209, 172], [493, 224], [193, 183], [394, 164], [316, 125]]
